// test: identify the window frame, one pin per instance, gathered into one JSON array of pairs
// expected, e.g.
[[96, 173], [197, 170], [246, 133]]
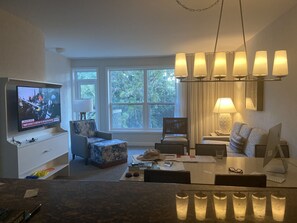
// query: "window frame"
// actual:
[[79, 82], [145, 104]]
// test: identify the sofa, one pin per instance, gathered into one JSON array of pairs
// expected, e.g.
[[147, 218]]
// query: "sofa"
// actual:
[[242, 140]]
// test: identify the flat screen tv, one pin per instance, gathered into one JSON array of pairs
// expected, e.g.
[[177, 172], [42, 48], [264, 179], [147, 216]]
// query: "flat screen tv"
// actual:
[[37, 106]]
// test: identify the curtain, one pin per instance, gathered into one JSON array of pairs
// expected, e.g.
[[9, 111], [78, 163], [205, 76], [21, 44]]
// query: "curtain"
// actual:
[[201, 98], [181, 100]]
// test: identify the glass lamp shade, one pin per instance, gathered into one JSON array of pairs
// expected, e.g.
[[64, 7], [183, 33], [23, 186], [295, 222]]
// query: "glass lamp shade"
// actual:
[[280, 64], [240, 65], [260, 64], [220, 65], [224, 105], [181, 69], [200, 70]]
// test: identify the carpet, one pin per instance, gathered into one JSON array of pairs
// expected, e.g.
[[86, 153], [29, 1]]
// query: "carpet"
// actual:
[[80, 171]]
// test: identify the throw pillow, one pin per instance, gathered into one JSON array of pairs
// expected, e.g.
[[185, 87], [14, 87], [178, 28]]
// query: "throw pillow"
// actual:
[[236, 128], [257, 136], [237, 142], [245, 131]]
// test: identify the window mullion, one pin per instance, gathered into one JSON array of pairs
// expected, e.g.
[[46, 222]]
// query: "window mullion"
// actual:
[[145, 103]]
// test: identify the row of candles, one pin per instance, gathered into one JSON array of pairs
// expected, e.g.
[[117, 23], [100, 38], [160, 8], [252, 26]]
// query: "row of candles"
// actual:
[[239, 201]]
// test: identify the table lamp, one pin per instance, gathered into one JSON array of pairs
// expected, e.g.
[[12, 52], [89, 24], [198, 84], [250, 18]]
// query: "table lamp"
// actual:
[[83, 106], [224, 106]]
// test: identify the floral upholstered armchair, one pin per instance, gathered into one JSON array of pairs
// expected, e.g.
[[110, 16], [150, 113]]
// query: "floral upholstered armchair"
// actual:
[[97, 146], [83, 134]]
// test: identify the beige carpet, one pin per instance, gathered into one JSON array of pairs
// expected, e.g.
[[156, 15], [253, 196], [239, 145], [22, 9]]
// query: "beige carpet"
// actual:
[[80, 171]]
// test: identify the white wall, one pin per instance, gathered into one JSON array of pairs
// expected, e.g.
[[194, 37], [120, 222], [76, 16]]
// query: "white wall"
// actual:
[[57, 70], [23, 56], [279, 97], [134, 138], [21, 49]]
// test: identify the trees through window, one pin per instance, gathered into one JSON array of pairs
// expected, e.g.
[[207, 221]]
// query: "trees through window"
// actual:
[[86, 87], [140, 98]]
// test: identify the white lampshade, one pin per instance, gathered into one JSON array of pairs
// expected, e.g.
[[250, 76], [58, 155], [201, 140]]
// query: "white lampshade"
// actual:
[[220, 65], [83, 105], [181, 69], [260, 64], [200, 70], [280, 64], [240, 65], [224, 105]]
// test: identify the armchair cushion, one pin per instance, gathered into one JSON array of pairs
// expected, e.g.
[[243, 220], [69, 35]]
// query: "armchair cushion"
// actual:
[[94, 140], [175, 139]]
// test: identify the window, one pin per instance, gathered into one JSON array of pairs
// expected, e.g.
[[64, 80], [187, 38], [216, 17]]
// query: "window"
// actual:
[[140, 98], [86, 85]]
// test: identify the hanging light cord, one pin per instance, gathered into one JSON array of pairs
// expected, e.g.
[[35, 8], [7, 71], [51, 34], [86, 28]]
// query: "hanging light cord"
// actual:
[[217, 37], [198, 9], [243, 33], [218, 31], [219, 26]]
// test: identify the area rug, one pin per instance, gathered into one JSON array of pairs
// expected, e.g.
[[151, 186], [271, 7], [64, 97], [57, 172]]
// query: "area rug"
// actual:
[[80, 171]]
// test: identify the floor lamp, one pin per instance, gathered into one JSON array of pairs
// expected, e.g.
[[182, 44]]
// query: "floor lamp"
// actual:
[[224, 106], [83, 106]]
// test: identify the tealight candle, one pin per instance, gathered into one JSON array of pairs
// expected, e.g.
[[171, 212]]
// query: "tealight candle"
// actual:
[[200, 205], [239, 206], [259, 205], [278, 206], [220, 205], [182, 200]]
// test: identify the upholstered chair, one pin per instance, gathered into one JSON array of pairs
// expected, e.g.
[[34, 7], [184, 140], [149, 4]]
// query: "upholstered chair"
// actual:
[[83, 133]]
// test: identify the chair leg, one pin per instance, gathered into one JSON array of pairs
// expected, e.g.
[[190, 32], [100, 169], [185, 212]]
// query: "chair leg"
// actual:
[[86, 161], [73, 156]]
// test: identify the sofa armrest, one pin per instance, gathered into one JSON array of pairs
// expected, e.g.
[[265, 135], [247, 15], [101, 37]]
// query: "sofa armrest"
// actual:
[[104, 135], [79, 145], [218, 138]]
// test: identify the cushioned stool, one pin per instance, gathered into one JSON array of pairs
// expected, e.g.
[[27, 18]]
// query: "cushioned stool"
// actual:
[[108, 152]]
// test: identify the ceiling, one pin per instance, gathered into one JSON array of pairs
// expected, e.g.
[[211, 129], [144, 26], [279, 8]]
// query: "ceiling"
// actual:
[[134, 28]]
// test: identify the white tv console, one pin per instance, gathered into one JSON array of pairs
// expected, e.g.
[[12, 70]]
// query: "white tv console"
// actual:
[[19, 155]]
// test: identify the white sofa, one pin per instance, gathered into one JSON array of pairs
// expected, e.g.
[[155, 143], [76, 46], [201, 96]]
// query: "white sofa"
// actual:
[[242, 140]]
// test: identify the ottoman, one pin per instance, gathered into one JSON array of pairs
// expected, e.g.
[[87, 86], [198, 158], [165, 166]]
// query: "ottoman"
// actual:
[[108, 153]]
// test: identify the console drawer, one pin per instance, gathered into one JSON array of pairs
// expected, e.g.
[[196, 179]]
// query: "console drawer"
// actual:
[[40, 152]]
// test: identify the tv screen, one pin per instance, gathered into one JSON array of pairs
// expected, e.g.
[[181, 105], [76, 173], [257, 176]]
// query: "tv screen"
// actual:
[[38, 106]]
